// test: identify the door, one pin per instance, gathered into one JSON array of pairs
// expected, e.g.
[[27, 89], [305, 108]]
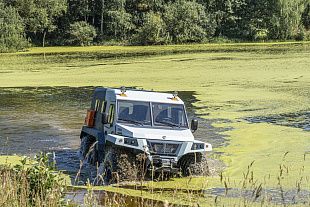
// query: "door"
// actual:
[[110, 109]]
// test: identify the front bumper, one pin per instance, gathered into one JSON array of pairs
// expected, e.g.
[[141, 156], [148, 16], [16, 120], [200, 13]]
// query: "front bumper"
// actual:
[[166, 150], [161, 164]]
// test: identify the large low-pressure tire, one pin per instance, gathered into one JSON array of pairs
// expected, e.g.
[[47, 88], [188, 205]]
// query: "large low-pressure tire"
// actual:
[[194, 164], [118, 165]]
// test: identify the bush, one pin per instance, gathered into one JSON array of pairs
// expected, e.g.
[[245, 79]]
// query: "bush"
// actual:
[[302, 34], [82, 33], [12, 35], [260, 34]]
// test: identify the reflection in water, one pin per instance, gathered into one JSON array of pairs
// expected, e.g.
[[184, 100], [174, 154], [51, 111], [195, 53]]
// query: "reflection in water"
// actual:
[[107, 198]]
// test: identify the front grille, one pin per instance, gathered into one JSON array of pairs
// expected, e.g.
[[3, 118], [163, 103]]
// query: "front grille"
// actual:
[[163, 148]]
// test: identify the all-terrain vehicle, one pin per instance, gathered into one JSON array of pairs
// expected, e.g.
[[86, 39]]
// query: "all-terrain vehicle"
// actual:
[[129, 123]]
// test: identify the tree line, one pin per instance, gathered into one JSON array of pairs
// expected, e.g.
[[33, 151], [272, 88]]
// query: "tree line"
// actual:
[[149, 22]]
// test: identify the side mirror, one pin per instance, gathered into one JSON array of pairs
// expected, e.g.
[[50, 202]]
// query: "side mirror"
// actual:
[[104, 118], [194, 125]]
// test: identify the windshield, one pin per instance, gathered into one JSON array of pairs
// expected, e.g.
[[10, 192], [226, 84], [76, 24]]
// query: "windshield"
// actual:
[[134, 112], [172, 115]]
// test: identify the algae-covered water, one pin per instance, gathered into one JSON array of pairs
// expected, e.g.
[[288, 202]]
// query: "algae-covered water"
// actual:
[[49, 119], [253, 106]]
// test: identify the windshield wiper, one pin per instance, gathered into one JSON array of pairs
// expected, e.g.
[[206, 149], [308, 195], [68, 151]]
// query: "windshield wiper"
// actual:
[[132, 121], [171, 124]]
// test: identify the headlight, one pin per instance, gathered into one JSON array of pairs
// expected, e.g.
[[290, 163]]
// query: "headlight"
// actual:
[[198, 146], [131, 141]]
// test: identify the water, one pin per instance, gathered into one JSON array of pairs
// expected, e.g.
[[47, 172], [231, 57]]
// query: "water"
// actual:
[[50, 119], [41, 119], [105, 198], [297, 120]]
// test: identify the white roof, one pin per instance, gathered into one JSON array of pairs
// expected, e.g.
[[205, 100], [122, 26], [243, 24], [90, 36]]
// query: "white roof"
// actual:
[[148, 96]]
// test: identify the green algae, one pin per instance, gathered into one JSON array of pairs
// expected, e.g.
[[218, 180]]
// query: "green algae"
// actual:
[[10, 160], [180, 191], [229, 85]]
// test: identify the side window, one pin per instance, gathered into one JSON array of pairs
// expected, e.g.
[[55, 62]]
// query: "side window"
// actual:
[[103, 106], [111, 113], [97, 104]]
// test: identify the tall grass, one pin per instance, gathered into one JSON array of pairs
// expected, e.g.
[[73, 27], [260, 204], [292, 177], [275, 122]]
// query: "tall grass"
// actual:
[[39, 185], [249, 191], [31, 185]]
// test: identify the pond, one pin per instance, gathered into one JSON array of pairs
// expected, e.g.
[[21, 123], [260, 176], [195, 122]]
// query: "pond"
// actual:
[[49, 119]]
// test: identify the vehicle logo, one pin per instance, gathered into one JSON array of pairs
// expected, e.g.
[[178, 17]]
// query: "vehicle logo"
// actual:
[[164, 137]]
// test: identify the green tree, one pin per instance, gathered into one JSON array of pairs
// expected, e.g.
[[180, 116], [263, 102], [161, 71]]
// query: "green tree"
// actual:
[[40, 15], [120, 24], [225, 15], [254, 18], [306, 16], [153, 30], [82, 33], [186, 21], [119, 21], [286, 19], [12, 36]]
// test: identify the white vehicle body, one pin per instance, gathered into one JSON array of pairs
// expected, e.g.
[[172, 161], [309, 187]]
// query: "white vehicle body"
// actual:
[[164, 134]]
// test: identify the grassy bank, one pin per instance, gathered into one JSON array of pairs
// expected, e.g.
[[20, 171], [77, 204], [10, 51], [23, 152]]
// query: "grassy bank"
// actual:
[[232, 82]]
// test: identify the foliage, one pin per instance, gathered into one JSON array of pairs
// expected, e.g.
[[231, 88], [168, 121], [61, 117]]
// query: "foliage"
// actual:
[[306, 16], [31, 185], [39, 15], [153, 30], [179, 21], [286, 19], [226, 14], [82, 33], [120, 23], [12, 37], [186, 21]]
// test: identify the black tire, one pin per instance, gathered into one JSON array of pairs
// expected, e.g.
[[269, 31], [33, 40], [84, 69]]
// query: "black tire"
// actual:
[[118, 165], [194, 164]]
